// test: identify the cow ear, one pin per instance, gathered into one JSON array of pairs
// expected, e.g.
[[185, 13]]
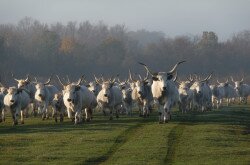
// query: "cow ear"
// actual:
[[169, 76], [87, 85], [155, 78], [78, 87], [145, 82]]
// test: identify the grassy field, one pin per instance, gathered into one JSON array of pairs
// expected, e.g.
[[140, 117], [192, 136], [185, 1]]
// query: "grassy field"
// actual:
[[217, 137]]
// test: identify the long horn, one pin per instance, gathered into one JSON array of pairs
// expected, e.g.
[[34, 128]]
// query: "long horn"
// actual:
[[242, 79], [14, 77], [175, 67], [218, 82], [176, 75], [207, 78], [232, 79], [1, 84], [146, 67], [139, 77], [28, 78], [80, 80], [96, 80], [227, 81], [147, 76], [68, 79], [60, 80], [130, 76], [46, 83]]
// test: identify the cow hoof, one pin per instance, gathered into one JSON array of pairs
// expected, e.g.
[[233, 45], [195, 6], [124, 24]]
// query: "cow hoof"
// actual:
[[22, 122], [160, 122], [88, 120], [140, 115], [61, 119], [1, 120], [111, 118], [117, 116], [47, 117], [56, 120]]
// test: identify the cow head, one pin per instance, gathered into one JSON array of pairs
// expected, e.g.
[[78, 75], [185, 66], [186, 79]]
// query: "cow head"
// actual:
[[70, 90], [198, 84], [162, 77], [41, 91], [223, 84], [22, 83], [139, 84], [237, 83], [94, 87], [13, 95]]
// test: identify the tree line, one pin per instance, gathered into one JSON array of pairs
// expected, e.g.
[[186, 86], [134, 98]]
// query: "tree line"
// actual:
[[41, 49]]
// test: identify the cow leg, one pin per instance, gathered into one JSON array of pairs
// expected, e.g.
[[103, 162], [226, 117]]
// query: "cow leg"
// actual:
[[22, 114], [88, 114], [61, 117], [166, 111], [117, 111], [77, 120], [3, 114], [111, 113]]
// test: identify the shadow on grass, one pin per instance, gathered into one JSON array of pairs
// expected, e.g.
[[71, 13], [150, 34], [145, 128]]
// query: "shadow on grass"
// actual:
[[235, 115]]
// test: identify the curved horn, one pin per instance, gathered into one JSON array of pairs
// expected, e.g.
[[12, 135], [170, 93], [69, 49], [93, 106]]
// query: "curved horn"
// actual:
[[14, 77], [28, 78], [227, 81], [218, 82], [139, 77], [146, 67], [130, 76], [1, 84], [176, 75], [96, 80], [208, 77], [80, 80], [119, 80], [68, 79], [242, 79], [175, 67], [60, 80], [46, 83], [232, 79], [147, 76]]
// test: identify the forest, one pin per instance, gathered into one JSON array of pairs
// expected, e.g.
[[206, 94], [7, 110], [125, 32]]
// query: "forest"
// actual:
[[84, 48]]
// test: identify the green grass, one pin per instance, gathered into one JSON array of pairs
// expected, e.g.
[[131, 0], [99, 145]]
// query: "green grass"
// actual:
[[217, 137]]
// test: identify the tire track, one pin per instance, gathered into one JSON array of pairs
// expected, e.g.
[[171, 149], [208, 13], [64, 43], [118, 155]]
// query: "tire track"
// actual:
[[173, 140], [119, 141]]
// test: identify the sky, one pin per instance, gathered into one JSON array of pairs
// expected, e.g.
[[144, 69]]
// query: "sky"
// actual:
[[173, 17]]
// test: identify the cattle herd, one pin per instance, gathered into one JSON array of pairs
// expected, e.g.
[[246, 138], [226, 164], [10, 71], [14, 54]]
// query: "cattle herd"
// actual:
[[161, 90]]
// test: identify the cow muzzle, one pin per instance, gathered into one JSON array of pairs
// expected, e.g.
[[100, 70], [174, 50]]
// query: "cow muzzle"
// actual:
[[69, 100], [164, 88], [105, 95], [12, 101]]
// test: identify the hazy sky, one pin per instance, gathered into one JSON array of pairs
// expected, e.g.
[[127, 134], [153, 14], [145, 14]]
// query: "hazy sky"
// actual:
[[173, 17]]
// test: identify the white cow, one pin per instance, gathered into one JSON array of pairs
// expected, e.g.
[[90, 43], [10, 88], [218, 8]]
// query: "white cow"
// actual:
[[3, 92], [186, 96], [58, 106], [44, 97], [243, 90], [218, 93], [77, 98], [142, 94], [229, 91], [29, 86], [16, 100], [202, 94], [110, 97], [165, 92]]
